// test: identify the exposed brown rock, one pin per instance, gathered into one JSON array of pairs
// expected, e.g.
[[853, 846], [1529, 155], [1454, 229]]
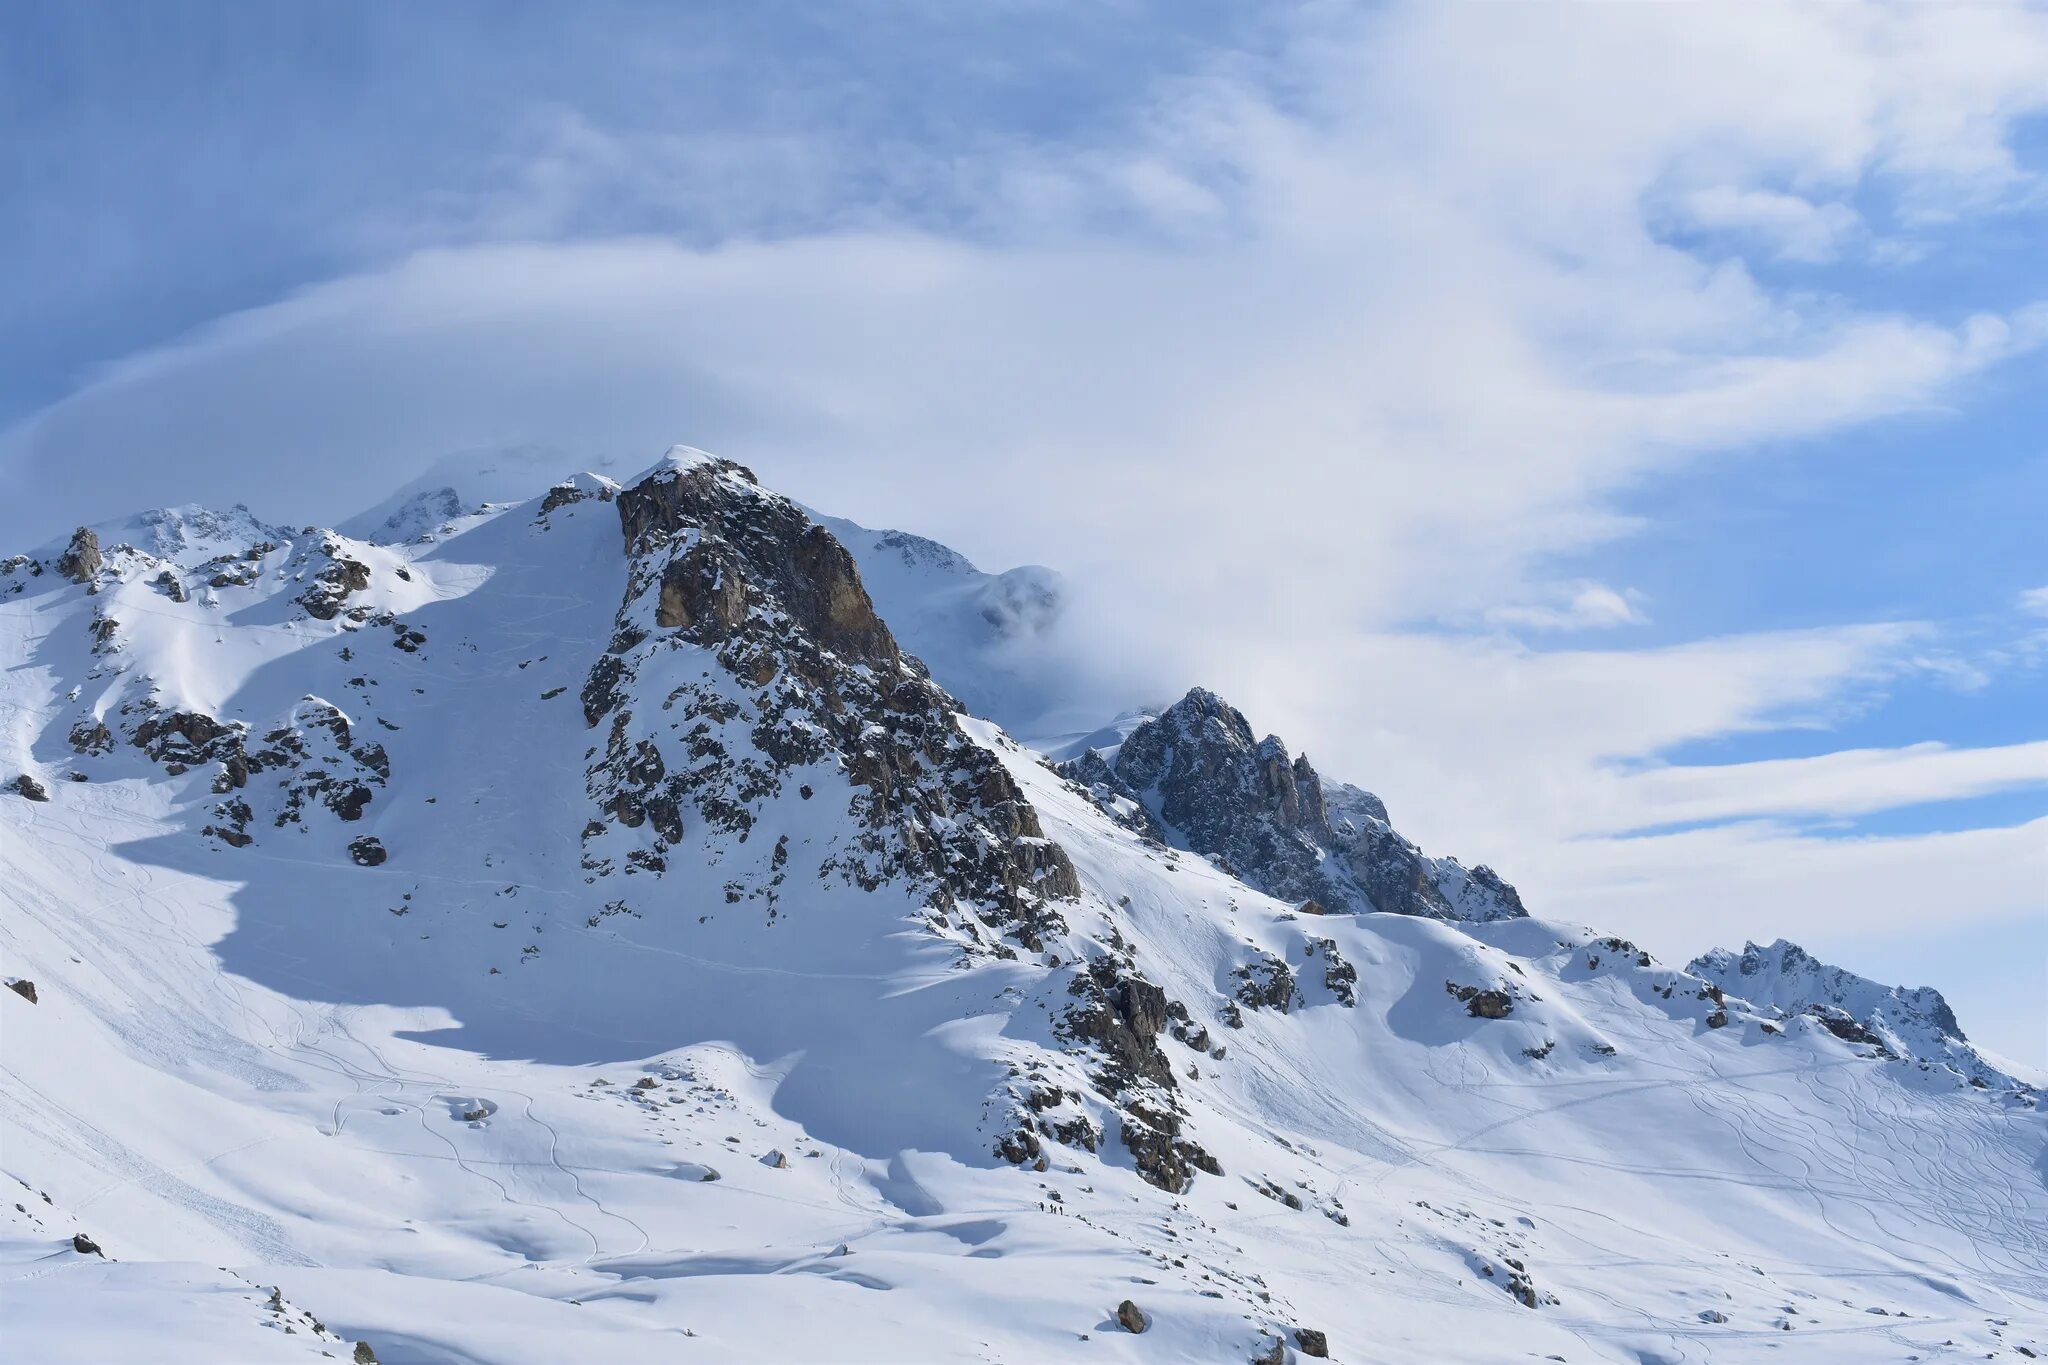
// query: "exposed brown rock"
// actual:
[[81, 559]]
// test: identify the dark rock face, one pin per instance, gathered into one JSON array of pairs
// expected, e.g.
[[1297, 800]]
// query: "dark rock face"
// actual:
[[1267, 984], [1340, 977], [81, 559], [92, 737], [367, 852], [29, 788], [333, 585], [1482, 1004], [795, 562], [573, 491], [808, 677], [314, 760], [1312, 1342], [25, 989], [1120, 1016], [1195, 775], [86, 1246], [1131, 1318]]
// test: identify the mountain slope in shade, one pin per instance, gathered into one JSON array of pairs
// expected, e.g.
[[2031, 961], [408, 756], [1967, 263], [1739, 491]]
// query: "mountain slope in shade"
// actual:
[[580, 929]]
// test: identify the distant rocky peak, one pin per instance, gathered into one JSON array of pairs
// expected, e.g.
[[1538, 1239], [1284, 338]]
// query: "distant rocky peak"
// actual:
[[1196, 776], [1912, 1023], [416, 517], [1786, 975]]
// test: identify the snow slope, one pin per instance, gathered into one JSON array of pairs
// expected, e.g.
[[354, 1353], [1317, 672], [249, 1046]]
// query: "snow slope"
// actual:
[[575, 930]]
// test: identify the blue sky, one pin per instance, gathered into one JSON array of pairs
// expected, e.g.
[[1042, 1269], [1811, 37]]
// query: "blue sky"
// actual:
[[1613, 433]]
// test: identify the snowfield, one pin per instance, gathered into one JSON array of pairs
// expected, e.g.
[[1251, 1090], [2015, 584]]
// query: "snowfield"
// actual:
[[425, 1033]]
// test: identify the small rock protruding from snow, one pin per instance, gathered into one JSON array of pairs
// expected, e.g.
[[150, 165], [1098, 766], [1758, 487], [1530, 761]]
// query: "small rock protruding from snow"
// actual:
[[1131, 1318]]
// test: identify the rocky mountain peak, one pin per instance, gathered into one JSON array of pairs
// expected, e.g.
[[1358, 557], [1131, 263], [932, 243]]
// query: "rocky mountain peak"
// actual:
[[1194, 775], [811, 693]]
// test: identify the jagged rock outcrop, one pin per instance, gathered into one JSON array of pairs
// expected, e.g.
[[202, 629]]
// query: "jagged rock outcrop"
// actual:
[[1894, 1021], [312, 756], [1196, 776], [808, 681], [334, 584], [1120, 1016]]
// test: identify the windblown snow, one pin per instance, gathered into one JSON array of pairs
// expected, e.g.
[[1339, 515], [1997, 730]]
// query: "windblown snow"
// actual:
[[603, 927]]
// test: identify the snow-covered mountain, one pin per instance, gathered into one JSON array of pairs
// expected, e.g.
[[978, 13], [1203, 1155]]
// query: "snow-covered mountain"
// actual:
[[599, 926]]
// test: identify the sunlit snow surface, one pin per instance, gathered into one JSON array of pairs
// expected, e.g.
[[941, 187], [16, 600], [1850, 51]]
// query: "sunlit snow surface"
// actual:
[[405, 1095]]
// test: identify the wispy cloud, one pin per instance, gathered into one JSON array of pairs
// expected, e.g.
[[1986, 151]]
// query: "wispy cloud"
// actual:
[[1573, 606]]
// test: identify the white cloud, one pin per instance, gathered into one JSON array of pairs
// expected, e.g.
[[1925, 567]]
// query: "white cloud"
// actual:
[[1847, 782], [2035, 601], [1573, 606], [1799, 229], [1761, 881]]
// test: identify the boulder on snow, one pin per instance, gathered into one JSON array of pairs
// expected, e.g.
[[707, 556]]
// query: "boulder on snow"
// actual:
[[1274, 1354], [25, 989], [1312, 1342], [776, 1159], [28, 787], [81, 560], [366, 851], [1131, 1318], [1493, 1004], [1490, 1005], [86, 1246]]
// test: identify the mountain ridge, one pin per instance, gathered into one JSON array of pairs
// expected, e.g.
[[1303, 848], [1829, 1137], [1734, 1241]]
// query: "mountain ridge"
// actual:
[[600, 892]]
